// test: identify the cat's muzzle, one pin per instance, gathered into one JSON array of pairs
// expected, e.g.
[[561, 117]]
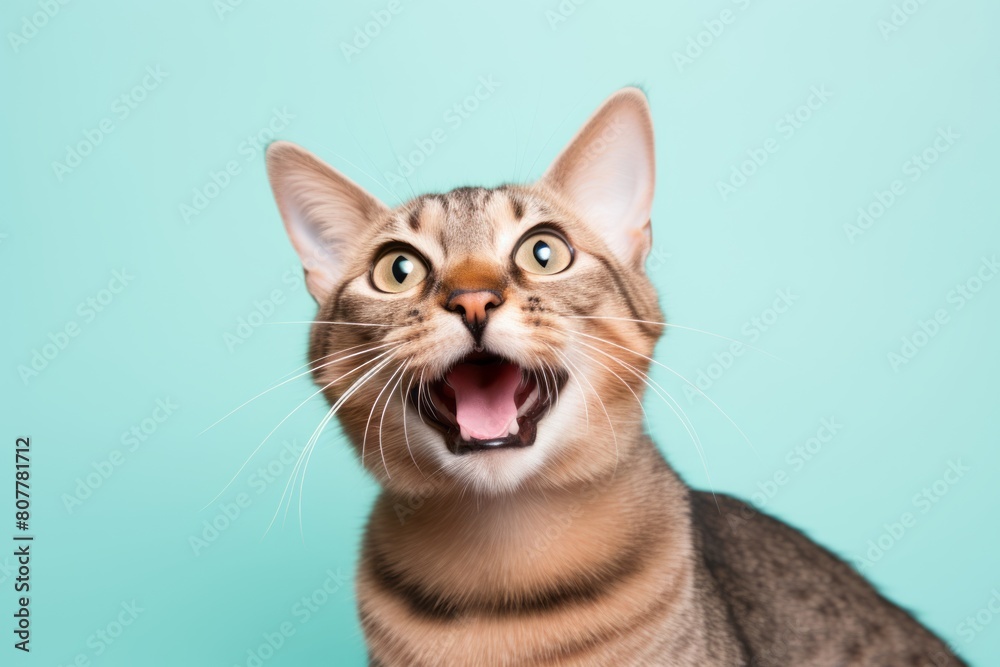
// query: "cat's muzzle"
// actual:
[[485, 402]]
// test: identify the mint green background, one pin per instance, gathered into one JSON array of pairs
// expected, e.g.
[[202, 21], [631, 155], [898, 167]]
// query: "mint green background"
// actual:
[[717, 264]]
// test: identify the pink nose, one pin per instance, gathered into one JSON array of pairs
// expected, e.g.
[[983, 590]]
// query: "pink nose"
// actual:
[[473, 306]]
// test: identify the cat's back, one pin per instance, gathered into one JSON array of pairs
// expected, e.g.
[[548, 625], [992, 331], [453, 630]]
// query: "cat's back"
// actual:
[[794, 602]]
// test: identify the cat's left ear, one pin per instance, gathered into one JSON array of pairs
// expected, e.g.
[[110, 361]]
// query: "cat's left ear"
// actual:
[[607, 174], [325, 213]]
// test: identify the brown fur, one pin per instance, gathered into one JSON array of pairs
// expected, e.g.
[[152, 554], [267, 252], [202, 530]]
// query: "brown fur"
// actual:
[[585, 548]]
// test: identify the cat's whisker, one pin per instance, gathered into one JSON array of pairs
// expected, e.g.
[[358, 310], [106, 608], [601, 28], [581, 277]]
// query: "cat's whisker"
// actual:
[[551, 135], [406, 436], [688, 382], [352, 324], [364, 440], [657, 389], [311, 447], [308, 372], [305, 465], [315, 363], [319, 432], [583, 394], [424, 399], [303, 461], [545, 379], [368, 157], [375, 180], [329, 415], [614, 436], [420, 396], [671, 325], [381, 422], [685, 420], [306, 456], [553, 372], [392, 150], [621, 379], [287, 417], [547, 371], [678, 411]]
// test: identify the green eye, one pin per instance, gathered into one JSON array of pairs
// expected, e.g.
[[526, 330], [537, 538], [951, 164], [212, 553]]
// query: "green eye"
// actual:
[[543, 253], [398, 270]]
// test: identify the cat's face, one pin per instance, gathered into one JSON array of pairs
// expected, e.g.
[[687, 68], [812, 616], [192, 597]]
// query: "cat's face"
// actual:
[[485, 339]]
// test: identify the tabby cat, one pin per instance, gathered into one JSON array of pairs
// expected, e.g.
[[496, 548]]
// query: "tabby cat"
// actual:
[[486, 352]]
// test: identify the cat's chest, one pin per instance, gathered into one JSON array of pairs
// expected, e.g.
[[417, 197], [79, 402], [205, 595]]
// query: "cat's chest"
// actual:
[[566, 586]]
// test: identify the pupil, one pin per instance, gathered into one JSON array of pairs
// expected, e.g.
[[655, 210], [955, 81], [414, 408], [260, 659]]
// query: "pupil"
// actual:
[[542, 252], [401, 268]]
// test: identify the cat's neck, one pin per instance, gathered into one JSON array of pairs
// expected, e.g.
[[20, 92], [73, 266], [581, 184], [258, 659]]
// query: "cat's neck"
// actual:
[[585, 574], [500, 545]]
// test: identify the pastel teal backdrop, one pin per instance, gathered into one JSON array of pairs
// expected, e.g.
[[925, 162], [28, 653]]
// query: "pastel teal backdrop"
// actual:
[[826, 194]]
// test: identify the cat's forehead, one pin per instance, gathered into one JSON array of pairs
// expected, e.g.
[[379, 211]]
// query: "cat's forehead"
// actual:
[[469, 220]]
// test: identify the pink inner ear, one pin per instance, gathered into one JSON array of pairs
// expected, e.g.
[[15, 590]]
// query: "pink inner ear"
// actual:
[[324, 212], [484, 399], [608, 172]]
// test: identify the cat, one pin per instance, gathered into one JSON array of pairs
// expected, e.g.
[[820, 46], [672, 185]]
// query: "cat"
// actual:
[[486, 351]]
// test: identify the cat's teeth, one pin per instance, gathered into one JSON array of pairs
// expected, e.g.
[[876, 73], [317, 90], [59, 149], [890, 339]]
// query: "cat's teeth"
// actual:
[[440, 407], [465, 434], [513, 427], [530, 401]]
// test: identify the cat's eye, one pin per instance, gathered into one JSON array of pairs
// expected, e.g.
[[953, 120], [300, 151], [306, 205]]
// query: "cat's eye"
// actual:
[[398, 270], [543, 253]]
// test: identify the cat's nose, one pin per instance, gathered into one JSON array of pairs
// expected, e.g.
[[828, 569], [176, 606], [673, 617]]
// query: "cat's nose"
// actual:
[[474, 307]]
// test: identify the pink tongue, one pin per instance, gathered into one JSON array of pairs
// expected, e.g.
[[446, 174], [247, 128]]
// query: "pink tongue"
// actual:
[[484, 398]]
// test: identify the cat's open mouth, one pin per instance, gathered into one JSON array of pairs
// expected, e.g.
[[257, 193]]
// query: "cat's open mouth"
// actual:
[[485, 402]]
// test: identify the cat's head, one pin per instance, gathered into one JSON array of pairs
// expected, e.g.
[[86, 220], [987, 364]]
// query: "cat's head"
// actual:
[[485, 339]]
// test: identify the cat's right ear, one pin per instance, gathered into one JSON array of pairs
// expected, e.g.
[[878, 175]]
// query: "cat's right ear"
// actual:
[[324, 212], [607, 172]]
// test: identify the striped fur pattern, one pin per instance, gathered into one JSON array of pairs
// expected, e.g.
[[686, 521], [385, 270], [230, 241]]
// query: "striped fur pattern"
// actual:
[[584, 548]]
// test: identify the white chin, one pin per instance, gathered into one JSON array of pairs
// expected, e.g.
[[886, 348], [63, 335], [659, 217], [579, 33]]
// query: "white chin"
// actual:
[[500, 471]]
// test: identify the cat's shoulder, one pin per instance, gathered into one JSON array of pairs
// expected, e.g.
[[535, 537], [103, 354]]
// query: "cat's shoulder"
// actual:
[[726, 527], [793, 596]]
